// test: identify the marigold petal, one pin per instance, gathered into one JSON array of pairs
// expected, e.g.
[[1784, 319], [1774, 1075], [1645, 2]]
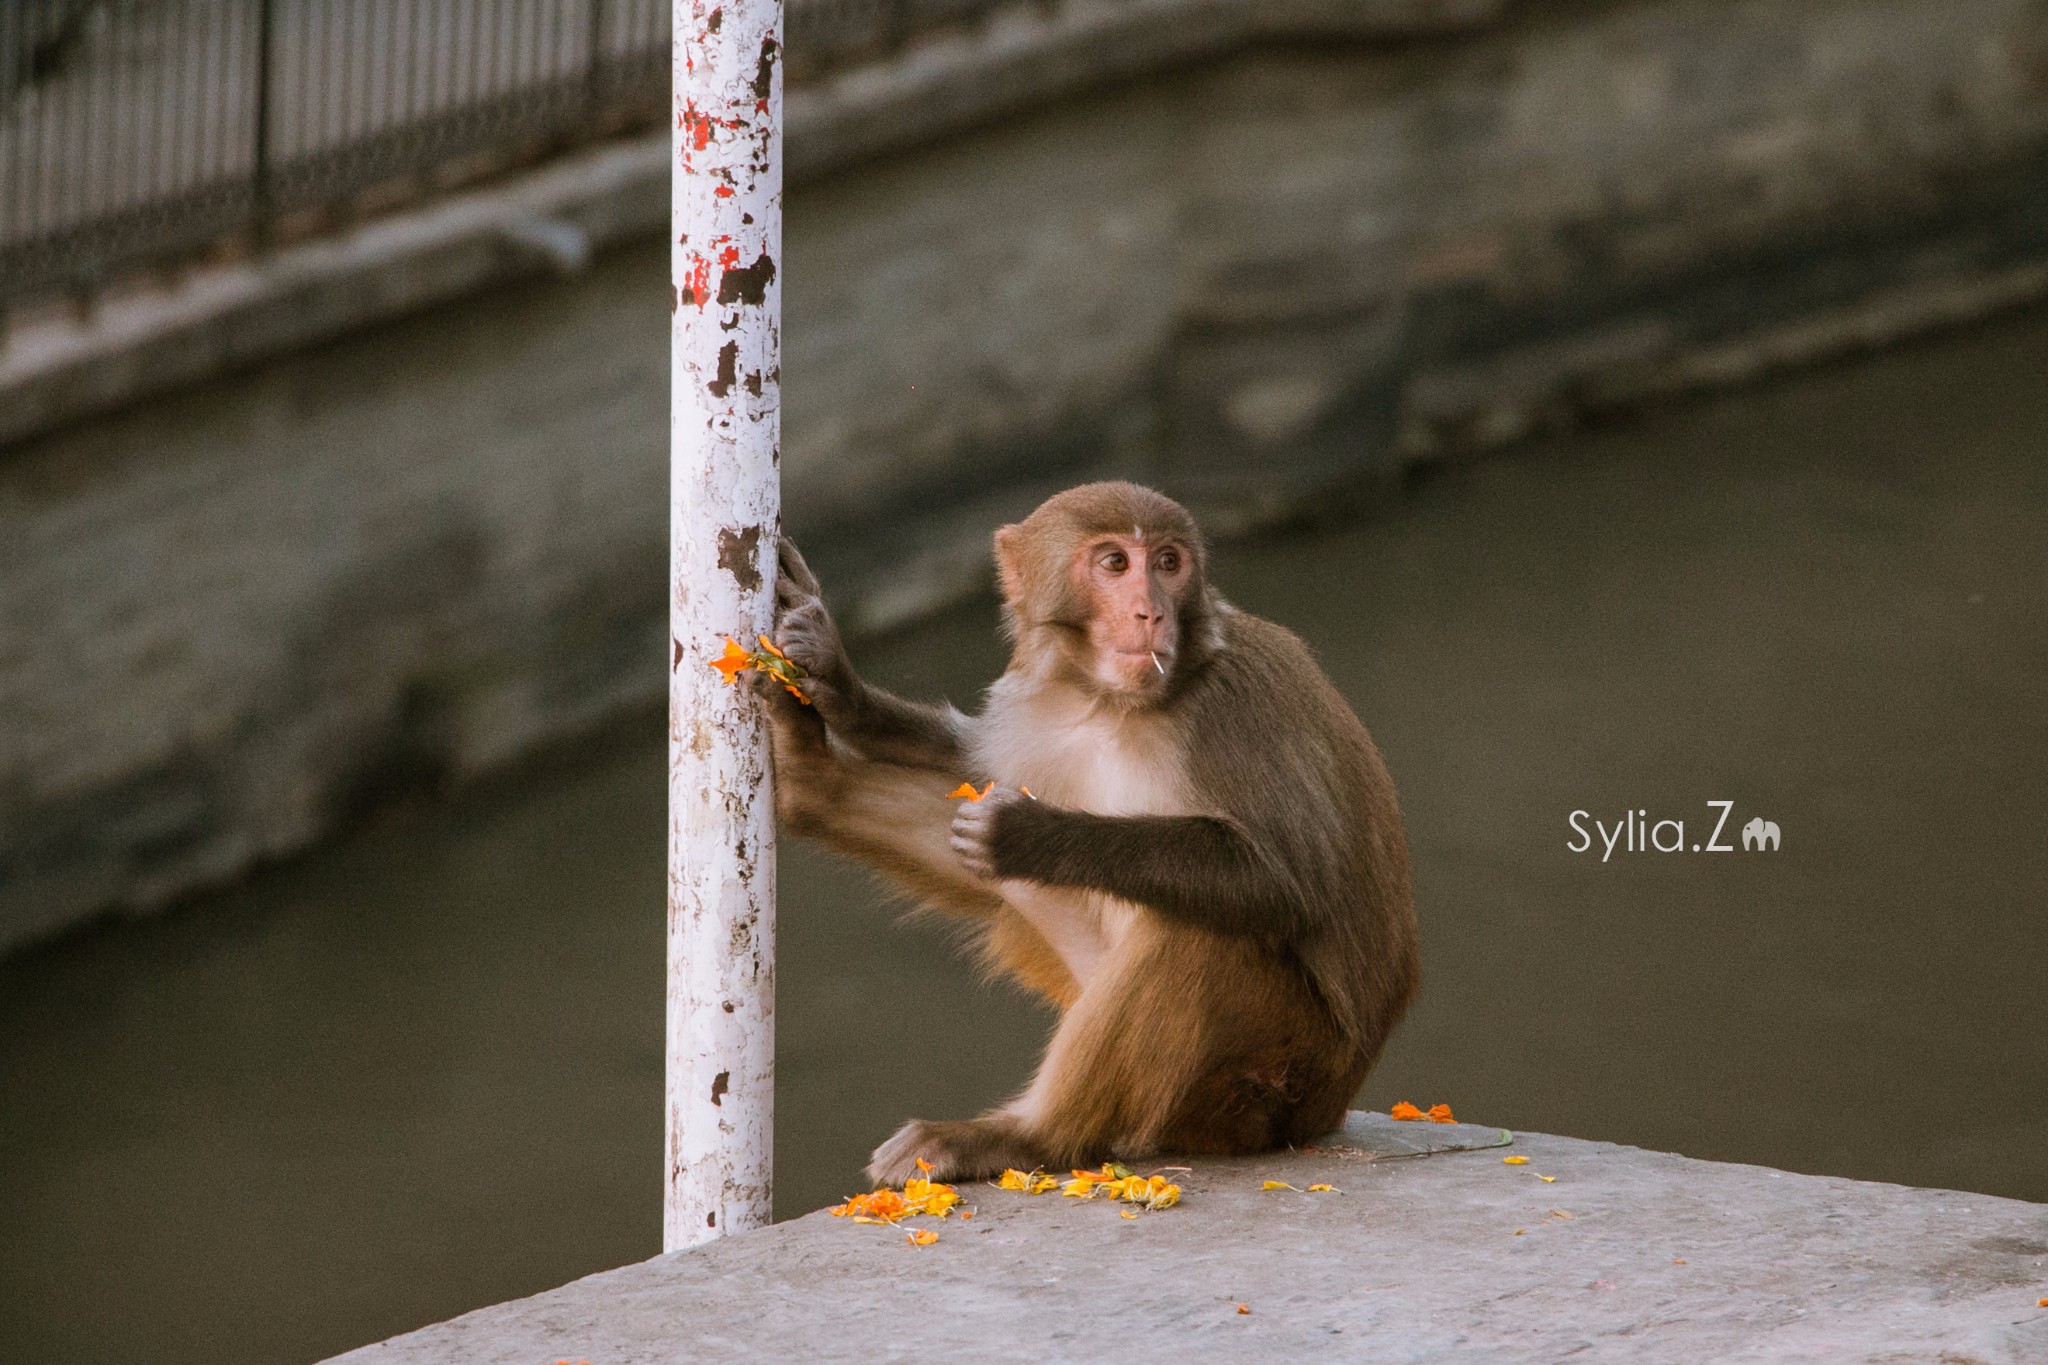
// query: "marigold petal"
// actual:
[[923, 1237], [1405, 1110], [1324, 1189], [733, 660], [964, 792], [1514, 1160], [1277, 1185], [1127, 1213], [1244, 1308], [1440, 1113]]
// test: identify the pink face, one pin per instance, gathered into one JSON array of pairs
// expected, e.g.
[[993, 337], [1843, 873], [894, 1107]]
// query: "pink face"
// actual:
[[1136, 586]]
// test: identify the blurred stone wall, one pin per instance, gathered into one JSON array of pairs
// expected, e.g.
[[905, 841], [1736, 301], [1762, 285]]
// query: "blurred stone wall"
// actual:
[[1268, 280]]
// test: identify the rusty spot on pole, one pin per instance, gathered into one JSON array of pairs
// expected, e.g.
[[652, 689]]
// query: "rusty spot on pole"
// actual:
[[728, 366], [764, 70], [676, 659], [739, 554], [747, 283], [719, 1086], [711, 1219], [714, 21]]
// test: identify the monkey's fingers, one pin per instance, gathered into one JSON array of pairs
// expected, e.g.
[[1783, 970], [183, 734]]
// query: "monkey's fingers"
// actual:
[[791, 595], [970, 840], [797, 726], [793, 567]]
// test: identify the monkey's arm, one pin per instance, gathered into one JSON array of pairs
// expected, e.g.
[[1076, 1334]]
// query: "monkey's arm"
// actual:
[[881, 725], [1198, 869], [889, 729]]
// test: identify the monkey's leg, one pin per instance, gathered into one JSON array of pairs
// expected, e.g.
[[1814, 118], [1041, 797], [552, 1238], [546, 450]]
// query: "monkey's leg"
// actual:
[[1182, 1043], [896, 820]]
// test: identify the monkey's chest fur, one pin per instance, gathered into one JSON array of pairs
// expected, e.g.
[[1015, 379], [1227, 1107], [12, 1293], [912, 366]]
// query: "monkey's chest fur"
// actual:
[[1088, 758]]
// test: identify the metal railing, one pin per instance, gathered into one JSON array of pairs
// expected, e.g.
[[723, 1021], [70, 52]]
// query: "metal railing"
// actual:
[[135, 132]]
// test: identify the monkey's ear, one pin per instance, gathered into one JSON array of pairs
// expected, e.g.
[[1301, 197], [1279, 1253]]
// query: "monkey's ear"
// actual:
[[1009, 573]]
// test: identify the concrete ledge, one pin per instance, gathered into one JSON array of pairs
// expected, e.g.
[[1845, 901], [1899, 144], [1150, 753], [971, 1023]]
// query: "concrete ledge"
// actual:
[[1627, 1255]]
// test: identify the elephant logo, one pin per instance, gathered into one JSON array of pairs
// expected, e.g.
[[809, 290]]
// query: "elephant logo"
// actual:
[[1760, 833]]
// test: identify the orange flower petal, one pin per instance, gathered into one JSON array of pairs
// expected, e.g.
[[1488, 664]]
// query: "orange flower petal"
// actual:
[[1405, 1110], [1515, 1160], [1440, 1113], [1244, 1308], [733, 660], [923, 1237], [966, 792]]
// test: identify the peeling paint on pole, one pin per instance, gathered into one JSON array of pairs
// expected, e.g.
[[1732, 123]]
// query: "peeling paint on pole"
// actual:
[[724, 451]]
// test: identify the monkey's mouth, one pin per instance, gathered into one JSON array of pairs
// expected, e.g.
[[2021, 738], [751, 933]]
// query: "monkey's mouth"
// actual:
[[1145, 660]]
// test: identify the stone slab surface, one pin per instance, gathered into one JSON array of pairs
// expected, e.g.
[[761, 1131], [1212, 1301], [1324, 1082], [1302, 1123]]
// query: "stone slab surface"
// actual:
[[1626, 1255]]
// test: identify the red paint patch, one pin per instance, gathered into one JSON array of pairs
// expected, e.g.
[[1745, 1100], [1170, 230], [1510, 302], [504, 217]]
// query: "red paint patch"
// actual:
[[723, 191], [697, 289], [697, 125]]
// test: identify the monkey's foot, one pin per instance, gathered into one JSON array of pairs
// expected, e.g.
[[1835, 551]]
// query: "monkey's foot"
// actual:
[[964, 1149]]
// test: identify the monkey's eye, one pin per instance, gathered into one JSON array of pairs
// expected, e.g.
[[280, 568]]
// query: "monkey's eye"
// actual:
[[1116, 561], [1169, 561]]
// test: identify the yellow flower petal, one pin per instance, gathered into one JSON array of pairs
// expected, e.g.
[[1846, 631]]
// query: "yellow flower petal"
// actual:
[[1127, 1213], [1277, 1185], [1516, 1160], [1547, 1179], [1324, 1189], [923, 1237]]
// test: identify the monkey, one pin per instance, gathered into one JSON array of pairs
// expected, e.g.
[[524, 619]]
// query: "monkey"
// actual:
[[1193, 848]]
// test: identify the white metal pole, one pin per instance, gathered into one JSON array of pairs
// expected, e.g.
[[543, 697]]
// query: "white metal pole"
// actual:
[[724, 449]]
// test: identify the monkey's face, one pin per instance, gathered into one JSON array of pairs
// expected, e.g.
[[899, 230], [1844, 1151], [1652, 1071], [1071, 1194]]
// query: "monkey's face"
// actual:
[[1135, 585]]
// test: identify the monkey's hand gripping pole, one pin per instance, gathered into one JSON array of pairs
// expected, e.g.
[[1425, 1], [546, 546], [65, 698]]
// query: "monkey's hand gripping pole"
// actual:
[[725, 510]]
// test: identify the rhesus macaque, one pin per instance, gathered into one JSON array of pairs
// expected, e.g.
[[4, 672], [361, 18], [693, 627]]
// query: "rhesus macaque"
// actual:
[[1209, 876]]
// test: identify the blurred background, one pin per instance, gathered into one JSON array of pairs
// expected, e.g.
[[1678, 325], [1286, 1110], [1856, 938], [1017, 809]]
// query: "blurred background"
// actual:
[[1635, 403]]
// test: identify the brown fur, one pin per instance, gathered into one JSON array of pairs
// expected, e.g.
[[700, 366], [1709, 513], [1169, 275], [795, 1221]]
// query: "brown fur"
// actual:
[[1213, 885]]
